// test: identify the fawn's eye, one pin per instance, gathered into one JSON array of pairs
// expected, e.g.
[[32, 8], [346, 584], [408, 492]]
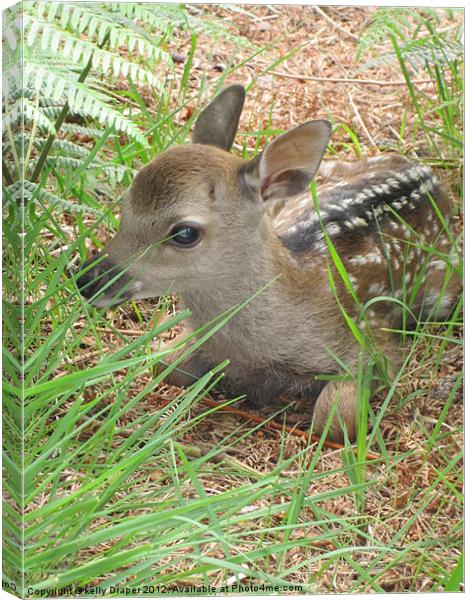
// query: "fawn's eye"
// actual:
[[185, 236]]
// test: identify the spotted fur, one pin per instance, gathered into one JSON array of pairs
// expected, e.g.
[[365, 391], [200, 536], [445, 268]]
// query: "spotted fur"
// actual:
[[379, 215], [358, 207]]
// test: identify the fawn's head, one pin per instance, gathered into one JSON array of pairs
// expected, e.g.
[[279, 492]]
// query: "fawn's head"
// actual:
[[191, 216]]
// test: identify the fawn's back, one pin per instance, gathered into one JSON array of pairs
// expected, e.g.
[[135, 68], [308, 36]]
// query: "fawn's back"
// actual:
[[383, 217]]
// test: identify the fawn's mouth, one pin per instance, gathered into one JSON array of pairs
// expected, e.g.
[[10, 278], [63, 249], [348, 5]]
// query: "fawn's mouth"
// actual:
[[135, 291], [104, 301], [103, 283]]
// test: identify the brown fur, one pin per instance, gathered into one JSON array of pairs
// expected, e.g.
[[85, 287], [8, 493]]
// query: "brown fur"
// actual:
[[245, 210]]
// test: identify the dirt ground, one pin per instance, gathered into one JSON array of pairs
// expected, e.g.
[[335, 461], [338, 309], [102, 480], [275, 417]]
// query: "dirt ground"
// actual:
[[320, 80]]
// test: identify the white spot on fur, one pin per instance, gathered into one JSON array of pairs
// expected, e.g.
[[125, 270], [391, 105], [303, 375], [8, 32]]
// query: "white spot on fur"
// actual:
[[435, 301], [440, 265], [335, 208], [353, 281], [333, 229], [346, 202], [400, 203], [359, 222], [376, 288], [319, 247], [427, 186], [370, 257], [393, 183]]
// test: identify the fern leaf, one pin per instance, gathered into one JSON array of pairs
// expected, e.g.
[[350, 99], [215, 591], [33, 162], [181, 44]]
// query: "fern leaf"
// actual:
[[398, 21], [23, 110], [32, 192], [80, 50], [59, 146], [80, 130], [82, 98]]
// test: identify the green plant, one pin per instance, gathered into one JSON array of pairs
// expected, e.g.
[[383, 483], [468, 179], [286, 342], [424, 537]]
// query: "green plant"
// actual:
[[421, 47], [68, 43]]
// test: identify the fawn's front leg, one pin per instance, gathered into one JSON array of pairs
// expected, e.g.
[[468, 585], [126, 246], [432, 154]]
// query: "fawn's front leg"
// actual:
[[342, 395], [189, 369]]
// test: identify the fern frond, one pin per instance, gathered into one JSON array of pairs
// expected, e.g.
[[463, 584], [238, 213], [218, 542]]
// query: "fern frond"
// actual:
[[113, 172], [73, 129], [401, 22], [158, 17], [66, 42], [81, 98], [12, 29], [24, 139], [51, 111], [32, 192], [422, 52], [64, 148], [98, 21], [80, 51], [25, 111]]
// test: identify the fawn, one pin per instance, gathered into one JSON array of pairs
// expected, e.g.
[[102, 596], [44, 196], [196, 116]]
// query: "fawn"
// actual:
[[215, 228]]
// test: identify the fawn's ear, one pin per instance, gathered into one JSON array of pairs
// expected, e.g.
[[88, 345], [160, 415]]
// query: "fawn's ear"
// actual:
[[289, 162], [218, 122]]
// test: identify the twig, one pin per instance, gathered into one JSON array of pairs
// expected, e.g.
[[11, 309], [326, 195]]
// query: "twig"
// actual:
[[132, 332], [361, 122], [320, 12], [87, 356], [273, 425], [395, 133], [348, 80]]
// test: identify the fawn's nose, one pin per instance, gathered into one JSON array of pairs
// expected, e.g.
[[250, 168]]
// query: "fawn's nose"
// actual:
[[101, 281]]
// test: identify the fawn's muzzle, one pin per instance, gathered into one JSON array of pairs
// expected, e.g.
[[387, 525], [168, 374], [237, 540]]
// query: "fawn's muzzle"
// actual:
[[102, 282]]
